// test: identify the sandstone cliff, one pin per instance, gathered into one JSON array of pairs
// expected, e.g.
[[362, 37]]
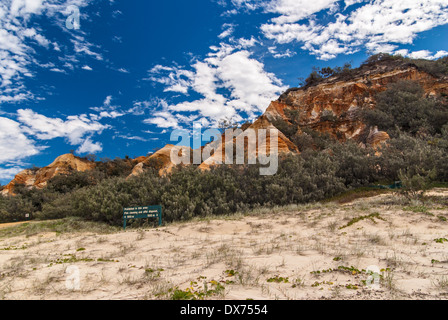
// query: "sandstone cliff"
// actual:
[[63, 164], [284, 145], [160, 160], [331, 106]]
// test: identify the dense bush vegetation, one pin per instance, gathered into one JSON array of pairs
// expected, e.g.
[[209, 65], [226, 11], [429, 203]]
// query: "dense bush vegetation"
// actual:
[[319, 74], [404, 107], [187, 192], [313, 176]]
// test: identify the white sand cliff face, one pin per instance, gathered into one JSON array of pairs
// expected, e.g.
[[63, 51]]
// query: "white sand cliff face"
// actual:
[[304, 252]]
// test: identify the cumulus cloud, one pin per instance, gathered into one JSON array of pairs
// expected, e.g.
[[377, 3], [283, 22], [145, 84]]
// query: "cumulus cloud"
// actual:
[[422, 54], [89, 147], [18, 138], [175, 79], [291, 11], [15, 147], [162, 118], [377, 26], [230, 80], [9, 173], [14, 144], [74, 129]]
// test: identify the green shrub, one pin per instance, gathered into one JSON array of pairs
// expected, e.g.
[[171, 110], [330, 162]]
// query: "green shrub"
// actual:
[[415, 185], [404, 107]]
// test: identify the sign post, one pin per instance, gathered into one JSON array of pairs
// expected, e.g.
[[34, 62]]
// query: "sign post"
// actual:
[[142, 213]]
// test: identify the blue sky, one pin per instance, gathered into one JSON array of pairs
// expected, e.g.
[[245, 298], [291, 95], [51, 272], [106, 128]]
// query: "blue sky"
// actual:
[[133, 71]]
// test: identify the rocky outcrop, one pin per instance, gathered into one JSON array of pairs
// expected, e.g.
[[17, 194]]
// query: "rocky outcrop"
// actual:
[[64, 164], [332, 105], [161, 160], [284, 145], [26, 177], [376, 138]]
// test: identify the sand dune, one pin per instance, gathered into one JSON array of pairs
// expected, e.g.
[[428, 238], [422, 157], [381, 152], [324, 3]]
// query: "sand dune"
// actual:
[[307, 252]]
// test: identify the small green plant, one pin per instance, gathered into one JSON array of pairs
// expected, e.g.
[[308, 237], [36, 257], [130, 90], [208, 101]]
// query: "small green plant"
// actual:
[[13, 248], [178, 294], [150, 270], [317, 283], [298, 283], [416, 185], [80, 249], [337, 259], [433, 261], [278, 279], [153, 273], [230, 273], [418, 209], [441, 240], [351, 270], [195, 293], [106, 260], [318, 272], [351, 287], [71, 258], [371, 217]]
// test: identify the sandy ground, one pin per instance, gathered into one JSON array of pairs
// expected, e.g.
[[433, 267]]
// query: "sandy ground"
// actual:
[[10, 224], [308, 252]]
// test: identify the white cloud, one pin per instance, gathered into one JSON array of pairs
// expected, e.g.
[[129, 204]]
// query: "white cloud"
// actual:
[[291, 11], [441, 54], [175, 79], [23, 7], [378, 26], [74, 128], [14, 145], [139, 108], [110, 114], [9, 173], [107, 110], [163, 119], [422, 54], [287, 54], [81, 46], [247, 43], [129, 137], [230, 82], [20, 37], [58, 70], [86, 67], [107, 101], [89, 147], [228, 30]]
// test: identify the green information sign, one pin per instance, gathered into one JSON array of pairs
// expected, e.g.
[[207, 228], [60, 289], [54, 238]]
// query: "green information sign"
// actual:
[[142, 213]]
